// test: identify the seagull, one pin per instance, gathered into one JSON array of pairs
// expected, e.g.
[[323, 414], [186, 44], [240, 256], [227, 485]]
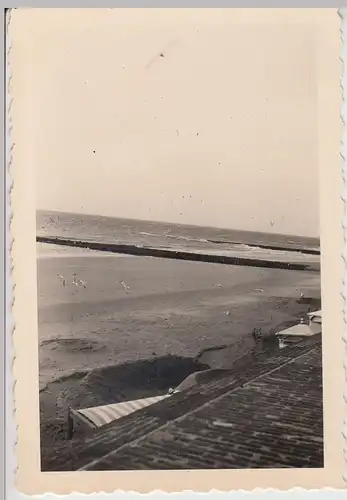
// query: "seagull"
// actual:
[[78, 282], [83, 283], [62, 279], [126, 287]]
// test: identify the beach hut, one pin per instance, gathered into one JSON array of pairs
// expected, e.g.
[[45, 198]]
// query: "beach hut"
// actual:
[[298, 332]]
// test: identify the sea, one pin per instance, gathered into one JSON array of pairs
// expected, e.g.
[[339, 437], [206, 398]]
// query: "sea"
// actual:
[[162, 234]]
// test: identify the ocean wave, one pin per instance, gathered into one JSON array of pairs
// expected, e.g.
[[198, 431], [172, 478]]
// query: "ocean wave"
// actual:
[[143, 233], [129, 232], [187, 238]]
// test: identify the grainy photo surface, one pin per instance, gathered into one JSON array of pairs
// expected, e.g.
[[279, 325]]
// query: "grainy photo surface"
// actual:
[[177, 225], [165, 359]]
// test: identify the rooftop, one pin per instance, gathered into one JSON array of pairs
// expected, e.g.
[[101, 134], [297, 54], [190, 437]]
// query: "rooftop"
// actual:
[[267, 415]]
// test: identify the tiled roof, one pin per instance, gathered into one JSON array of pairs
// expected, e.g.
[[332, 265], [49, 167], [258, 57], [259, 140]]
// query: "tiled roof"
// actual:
[[268, 415]]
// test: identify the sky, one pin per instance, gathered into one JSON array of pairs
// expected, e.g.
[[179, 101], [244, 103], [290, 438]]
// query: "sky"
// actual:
[[188, 116]]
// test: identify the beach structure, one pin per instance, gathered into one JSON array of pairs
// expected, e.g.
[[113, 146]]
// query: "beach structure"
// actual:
[[298, 332], [96, 417], [236, 421], [315, 321], [99, 416]]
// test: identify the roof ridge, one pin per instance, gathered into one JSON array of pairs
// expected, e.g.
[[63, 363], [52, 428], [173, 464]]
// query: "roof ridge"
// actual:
[[116, 435], [197, 408]]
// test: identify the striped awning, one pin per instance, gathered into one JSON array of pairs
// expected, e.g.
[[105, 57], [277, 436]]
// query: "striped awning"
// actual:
[[98, 416]]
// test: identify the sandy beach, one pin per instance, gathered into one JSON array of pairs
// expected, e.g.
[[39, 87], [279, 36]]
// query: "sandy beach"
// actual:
[[112, 327]]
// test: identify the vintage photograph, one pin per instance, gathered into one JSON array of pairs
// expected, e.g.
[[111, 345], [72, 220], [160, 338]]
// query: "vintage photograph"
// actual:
[[180, 310], [178, 279]]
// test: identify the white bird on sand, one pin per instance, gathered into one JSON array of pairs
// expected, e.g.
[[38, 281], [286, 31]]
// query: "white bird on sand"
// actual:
[[62, 279], [126, 287], [78, 282], [83, 283]]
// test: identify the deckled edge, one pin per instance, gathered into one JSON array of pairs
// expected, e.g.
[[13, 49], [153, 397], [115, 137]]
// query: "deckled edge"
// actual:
[[343, 30], [11, 426], [342, 12], [156, 494]]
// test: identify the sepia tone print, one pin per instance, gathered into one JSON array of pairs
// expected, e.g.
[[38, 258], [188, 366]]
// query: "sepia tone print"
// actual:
[[180, 246]]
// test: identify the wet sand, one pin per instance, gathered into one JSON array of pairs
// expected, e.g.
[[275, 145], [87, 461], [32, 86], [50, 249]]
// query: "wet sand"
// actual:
[[112, 327]]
